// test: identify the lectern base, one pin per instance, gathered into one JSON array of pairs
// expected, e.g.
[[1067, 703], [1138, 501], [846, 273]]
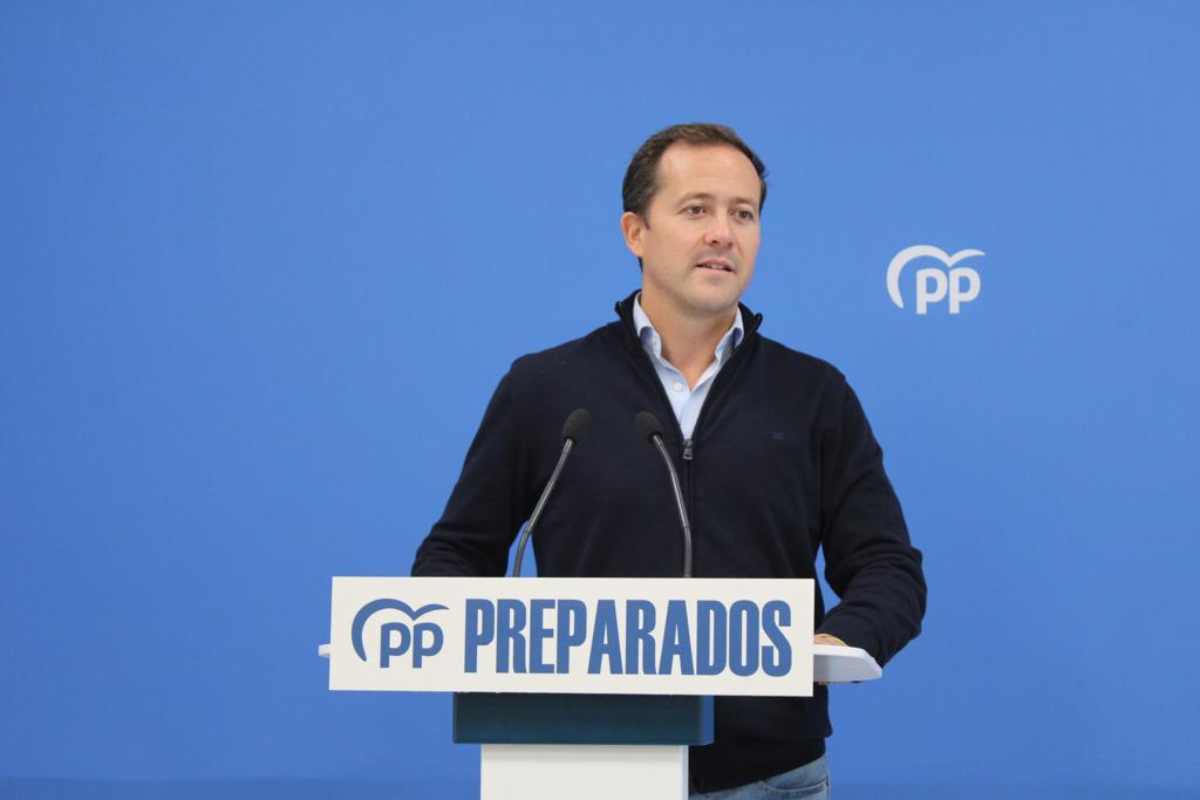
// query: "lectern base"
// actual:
[[492, 718], [584, 772]]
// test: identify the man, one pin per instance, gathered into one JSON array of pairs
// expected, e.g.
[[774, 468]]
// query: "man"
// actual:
[[774, 452]]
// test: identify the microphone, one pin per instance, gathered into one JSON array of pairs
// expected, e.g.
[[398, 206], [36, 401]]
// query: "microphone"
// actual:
[[650, 428], [574, 429]]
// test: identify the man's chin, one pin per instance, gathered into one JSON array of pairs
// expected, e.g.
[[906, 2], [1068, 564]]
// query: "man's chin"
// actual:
[[698, 302]]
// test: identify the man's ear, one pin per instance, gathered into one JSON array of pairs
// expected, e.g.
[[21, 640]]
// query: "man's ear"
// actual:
[[632, 227]]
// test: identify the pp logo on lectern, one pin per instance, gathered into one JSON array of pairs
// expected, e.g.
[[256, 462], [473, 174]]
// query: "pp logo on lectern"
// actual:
[[934, 284], [423, 639]]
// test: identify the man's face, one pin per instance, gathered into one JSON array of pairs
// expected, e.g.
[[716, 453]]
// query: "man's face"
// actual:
[[700, 234]]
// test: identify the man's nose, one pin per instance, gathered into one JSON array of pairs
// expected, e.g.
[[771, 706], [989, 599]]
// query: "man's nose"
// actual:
[[719, 231]]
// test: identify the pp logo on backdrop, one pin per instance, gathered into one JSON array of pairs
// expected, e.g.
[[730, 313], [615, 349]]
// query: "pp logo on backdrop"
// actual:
[[934, 284], [422, 639]]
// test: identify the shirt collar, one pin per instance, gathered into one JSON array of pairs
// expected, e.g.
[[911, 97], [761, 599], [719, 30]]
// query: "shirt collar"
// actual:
[[652, 341]]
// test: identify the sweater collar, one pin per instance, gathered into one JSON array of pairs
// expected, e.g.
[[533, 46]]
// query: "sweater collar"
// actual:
[[624, 309]]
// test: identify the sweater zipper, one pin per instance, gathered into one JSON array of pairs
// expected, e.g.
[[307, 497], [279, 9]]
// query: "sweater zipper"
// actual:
[[647, 368], [719, 383], [689, 447], [688, 453]]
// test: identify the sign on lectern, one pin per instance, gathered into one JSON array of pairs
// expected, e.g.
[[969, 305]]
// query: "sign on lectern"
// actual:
[[642, 636]]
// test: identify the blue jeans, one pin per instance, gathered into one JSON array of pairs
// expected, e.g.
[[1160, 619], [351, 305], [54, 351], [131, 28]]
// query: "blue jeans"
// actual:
[[807, 782]]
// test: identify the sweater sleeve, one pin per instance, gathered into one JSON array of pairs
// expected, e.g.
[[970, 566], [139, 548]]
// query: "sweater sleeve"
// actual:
[[488, 503], [869, 560]]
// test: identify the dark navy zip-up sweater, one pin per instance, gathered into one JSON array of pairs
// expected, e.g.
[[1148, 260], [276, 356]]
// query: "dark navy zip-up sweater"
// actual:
[[782, 461]]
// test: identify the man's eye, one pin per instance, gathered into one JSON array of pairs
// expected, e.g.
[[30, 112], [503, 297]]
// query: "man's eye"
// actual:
[[748, 216], [694, 210]]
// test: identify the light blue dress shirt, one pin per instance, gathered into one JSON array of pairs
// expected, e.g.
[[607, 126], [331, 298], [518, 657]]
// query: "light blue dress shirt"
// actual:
[[686, 402]]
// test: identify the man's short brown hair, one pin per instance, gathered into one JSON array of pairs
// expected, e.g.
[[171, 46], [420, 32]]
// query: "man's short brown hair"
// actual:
[[641, 176]]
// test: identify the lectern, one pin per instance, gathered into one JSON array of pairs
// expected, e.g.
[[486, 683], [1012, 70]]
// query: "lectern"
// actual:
[[586, 687]]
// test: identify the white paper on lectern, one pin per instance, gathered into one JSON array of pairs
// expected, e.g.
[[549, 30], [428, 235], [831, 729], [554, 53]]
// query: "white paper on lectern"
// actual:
[[833, 663]]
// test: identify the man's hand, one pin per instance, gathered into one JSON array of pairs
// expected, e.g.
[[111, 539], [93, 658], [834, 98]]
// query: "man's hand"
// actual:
[[825, 638]]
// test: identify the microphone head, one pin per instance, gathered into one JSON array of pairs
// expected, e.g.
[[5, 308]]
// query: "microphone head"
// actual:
[[577, 424], [648, 425]]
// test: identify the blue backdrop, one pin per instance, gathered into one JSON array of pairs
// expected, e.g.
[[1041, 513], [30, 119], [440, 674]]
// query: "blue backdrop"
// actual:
[[263, 265]]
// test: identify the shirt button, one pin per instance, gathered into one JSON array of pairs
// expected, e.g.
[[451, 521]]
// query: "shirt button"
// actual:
[[678, 386]]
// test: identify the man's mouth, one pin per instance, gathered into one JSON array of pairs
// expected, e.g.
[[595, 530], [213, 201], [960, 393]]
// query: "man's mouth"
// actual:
[[717, 265]]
